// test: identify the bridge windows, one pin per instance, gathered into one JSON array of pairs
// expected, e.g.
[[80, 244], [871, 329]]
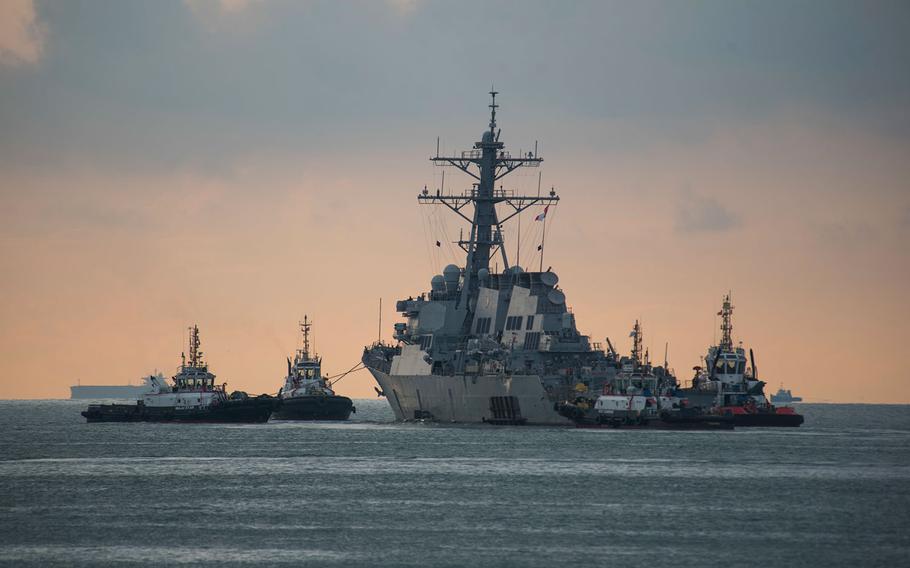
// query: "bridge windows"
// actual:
[[483, 325], [530, 323], [513, 322]]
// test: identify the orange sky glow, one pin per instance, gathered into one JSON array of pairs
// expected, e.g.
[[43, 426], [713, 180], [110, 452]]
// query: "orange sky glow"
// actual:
[[802, 212]]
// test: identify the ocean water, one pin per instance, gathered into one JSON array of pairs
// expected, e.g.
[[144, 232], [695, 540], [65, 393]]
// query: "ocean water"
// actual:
[[370, 492]]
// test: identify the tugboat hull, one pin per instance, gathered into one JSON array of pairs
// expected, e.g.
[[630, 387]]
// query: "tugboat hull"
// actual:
[[590, 418], [252, 410], [769, 420], [314, 408]]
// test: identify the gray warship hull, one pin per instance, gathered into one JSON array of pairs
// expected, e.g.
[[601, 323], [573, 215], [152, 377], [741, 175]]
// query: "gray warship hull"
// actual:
[[491, 399]]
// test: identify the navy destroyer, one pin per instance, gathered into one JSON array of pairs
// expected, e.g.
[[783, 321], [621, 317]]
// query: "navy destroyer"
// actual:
[[193, 397], [306, 394], [483, 344]]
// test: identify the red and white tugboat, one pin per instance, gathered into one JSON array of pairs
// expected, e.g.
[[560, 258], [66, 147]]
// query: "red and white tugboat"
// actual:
[[727, 384], [193, 397]]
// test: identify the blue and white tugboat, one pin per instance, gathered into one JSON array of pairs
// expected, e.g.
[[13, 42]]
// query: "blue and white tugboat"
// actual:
[[306, 394], [193, 397]]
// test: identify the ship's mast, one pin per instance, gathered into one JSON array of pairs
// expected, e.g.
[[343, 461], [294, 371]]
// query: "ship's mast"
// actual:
[[195, 343], [487, 163], [305, 328], [636, 344], [726, 325]]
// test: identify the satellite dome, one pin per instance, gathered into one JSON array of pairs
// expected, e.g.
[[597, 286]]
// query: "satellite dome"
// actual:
[[451, 273], [517, 269], [487, 137], [438, 283], [549, 278], [483, 274]]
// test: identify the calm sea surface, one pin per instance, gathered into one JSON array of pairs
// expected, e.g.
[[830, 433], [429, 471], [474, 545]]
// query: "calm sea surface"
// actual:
[[370, 492]]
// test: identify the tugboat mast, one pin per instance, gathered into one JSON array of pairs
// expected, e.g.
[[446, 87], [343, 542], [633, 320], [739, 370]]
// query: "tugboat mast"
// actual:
[[636, 344], [305, 328], [492, 163], [726, 325], [195, 343]]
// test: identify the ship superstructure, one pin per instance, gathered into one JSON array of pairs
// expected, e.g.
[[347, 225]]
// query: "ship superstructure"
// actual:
[[484, 345], [636, 373]]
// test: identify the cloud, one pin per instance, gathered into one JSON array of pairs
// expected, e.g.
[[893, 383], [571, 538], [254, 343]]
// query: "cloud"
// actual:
[[403, 7], [703, 214], [905, 218], [22, 36], [228, 6], [846, 233], [229, 14]]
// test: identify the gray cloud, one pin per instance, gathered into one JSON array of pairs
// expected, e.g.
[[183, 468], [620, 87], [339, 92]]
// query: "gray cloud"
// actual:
[[702, 214], [146, 85], [846, 233]]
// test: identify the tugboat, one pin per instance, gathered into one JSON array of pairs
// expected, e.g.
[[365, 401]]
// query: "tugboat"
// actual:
[[784, 397], [727, 384], [306, 394], [641, 396], [193, 397]]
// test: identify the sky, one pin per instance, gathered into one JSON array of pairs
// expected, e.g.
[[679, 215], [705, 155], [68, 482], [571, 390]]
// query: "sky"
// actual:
[[241, 163]]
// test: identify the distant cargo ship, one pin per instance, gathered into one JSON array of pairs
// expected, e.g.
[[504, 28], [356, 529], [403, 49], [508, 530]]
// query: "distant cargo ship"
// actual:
[[126, 392], [785, 397]]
